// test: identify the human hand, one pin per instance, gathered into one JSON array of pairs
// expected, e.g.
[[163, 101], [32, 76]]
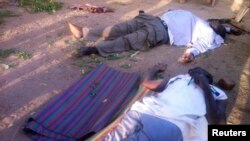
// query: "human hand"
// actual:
[[186, 58]]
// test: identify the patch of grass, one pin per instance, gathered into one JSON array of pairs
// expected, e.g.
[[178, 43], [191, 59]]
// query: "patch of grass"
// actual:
[[48, 36], [133, 60], [6, 13], [85, 67], [59, 34], [120, 3], [94, 59], [81, 64], [82, 43], [41, 5], [125, 66], [6, 52], [66, 41], [77, 43], [21, 54], [114, 57], [13, 64], [206, 54], [52, 43]]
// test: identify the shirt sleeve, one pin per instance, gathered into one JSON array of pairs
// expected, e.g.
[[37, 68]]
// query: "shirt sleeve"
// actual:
[[193, 50], [218, 93]]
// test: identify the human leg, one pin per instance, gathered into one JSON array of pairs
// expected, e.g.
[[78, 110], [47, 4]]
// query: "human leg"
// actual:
[[158, 129], [150, 33], [109, 32], [121, 29], [128, 126], [77, 31], [133, 41]]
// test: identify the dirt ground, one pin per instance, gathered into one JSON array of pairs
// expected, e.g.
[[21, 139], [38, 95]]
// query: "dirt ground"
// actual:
[[31, 83]]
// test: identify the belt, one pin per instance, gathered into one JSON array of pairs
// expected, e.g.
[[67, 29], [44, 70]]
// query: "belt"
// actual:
[[166, 29], [164, 24]]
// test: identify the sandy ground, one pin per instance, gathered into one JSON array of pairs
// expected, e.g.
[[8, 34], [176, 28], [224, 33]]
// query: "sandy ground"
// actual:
[[29, 84]]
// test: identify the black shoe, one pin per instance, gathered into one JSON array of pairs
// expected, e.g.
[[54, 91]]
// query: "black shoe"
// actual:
[[80, 52], [84, 51], [141, 11]]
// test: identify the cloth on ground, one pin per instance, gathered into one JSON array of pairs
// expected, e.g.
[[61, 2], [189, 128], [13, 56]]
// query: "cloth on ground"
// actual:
[[91, 8], [86, 107]]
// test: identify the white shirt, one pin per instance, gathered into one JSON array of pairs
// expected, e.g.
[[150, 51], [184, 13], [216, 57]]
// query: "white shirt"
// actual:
[[186, 29], [181, 103]]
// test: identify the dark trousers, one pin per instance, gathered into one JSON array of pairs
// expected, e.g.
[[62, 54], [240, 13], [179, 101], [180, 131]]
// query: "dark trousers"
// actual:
[[142, 32]]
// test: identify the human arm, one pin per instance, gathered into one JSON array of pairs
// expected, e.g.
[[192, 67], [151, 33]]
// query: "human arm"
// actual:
[[211, 105], [186, 57], [155, 85], [189, 55], [221, 105], [215, 99]]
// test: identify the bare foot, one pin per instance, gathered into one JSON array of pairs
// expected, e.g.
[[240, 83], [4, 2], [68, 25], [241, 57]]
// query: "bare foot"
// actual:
[[75, 30]]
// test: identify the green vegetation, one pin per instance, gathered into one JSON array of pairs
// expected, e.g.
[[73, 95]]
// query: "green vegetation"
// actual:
[[125, 66], [206, 54], [6, 13], [21, 54], [160, 75], [6, 52], [41, 5], [114, 56], [120, 3]]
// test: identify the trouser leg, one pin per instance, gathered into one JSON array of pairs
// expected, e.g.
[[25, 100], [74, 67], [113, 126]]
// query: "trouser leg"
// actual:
[[136, 41], [118, 30], [129, 125], [143, 32]]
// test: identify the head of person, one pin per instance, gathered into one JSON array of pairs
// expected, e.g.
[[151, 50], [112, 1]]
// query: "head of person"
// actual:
[[218, 28], [198, 71]]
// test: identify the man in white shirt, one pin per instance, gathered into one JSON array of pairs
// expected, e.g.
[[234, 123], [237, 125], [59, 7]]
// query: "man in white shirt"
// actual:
[[180, 111], [186, 29], [177, 27]]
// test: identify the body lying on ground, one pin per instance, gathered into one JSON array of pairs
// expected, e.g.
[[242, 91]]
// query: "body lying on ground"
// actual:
[[175, 27], [179, 110]]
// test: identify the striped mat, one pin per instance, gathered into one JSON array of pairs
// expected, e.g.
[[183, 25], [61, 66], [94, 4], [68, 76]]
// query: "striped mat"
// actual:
[[86, 107], [142, 91]]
